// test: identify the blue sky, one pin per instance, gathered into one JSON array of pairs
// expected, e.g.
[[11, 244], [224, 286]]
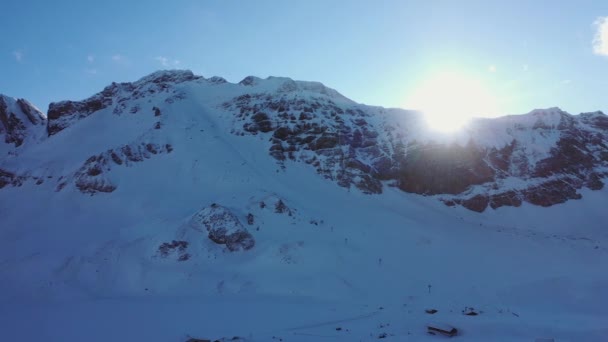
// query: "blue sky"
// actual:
[[532, 54]]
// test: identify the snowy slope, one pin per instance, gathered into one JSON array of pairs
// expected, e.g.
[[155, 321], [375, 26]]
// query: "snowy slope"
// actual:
[[121, 224], [545, 157]]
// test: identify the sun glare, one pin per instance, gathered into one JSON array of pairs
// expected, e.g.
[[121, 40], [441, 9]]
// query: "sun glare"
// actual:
[[450, 99]]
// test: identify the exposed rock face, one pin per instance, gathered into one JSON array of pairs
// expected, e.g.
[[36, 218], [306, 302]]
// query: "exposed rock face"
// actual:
[[338, 142], [250, 81], [360, 146], [542, 158], [509, 198], [476, 203], [18, 120], [62, 114], [91, 177], [34, 116], [177, 248], [8, 178], [117, 97], [217, 80], [439, 169], [166, 77], [224, 228], [577, 159]]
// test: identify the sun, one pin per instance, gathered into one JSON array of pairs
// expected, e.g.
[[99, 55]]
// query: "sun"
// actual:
[[450, 99]]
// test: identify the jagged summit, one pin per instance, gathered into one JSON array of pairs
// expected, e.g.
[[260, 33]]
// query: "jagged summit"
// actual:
[[217, 80], [548, 111], [288, 85], [168, 76], [543, 157], [596, 113], [172, 82], [20, 121], [250, 81]]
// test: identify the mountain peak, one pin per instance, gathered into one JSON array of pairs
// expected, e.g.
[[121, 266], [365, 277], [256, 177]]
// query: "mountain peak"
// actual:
[[250, 81], [548, 111], [309, 122], [19, 120], [168, 76]]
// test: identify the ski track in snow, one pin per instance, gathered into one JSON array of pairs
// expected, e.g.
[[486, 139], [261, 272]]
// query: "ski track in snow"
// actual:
[[350, 319]]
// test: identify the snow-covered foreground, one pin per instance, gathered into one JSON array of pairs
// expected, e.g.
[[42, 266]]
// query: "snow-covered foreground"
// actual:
[[328, 263], [364, 265], [268, 318]]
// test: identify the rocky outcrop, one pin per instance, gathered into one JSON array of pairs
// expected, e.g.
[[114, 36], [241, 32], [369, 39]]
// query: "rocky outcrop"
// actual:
[[33, 115], [224, 228], [216, 80], [359, 146], [543, 158], [545, 194], [578, 159], [506, 199], [250, 81], [62, 114], [337, 142], [432, 169], [167, 77], [175, 248], [9, 178], [118, 97], [93, 176], [18, 120]]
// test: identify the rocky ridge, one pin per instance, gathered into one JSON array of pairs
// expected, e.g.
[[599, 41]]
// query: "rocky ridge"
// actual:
[[543, 158]]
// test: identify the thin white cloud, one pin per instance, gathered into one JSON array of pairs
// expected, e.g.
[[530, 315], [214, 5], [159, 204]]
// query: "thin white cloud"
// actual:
[[18, 54], [492, 68], [566, 82], [525, 67], [90, 58], [118, 58], [91, 71], [164, 61], [600, 40], [167, 62]]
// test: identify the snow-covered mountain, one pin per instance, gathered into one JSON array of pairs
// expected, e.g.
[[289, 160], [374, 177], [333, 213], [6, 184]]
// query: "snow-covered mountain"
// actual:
[[542, 158], [241, 195]]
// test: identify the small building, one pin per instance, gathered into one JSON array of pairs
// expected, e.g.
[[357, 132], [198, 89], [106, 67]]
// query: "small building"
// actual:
[[442, 329]]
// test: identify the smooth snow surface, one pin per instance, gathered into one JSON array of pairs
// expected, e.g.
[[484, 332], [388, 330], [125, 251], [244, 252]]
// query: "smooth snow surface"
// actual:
[[75, 267]]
